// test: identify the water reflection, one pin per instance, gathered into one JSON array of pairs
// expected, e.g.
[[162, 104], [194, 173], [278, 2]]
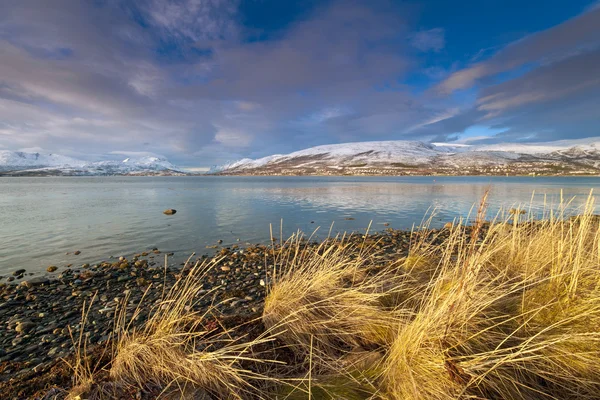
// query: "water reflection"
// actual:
[[44, 218]]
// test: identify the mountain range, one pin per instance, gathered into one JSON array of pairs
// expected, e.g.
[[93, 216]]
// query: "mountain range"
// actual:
[[17, 163], [574, 157]]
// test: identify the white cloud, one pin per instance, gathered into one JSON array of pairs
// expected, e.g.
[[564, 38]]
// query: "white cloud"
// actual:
[[430, 40], [195, 20], [231, 137], [574, 36]]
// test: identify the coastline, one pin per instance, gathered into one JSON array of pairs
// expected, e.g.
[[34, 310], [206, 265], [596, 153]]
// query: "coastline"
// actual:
[[256, 323], [43, 314]]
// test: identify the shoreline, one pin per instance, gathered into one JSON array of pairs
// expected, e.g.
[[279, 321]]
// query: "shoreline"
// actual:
[[42, 312], [8, 175]]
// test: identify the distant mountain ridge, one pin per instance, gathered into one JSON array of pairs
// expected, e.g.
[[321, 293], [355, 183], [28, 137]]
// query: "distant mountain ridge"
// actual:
[[418, 158], [18, 163]]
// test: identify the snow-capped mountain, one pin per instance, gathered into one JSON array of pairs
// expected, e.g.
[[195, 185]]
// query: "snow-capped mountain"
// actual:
[[413, 157], [21, 163], [21, 160]]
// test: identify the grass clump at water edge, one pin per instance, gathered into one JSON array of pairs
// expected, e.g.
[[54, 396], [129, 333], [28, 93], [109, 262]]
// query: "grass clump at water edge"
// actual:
[[502, 310]]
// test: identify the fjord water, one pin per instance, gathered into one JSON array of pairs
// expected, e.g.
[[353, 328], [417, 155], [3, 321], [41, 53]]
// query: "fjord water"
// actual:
[[42, 219]]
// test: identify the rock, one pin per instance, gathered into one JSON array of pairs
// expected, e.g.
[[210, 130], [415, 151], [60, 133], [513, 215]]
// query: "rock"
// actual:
[[141, 282], [77, 253], [169, 211], [24, 326], [225, 268], [51, 268], [37, 281], [19, 272]]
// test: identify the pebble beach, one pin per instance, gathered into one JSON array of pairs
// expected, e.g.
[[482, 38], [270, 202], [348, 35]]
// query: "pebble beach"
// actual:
[[42, 314]]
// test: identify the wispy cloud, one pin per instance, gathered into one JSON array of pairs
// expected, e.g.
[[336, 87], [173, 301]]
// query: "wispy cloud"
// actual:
[[429, 40], [187, 79]]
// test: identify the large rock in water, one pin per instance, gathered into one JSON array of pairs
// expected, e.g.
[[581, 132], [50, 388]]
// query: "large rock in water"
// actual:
[[170, 211]]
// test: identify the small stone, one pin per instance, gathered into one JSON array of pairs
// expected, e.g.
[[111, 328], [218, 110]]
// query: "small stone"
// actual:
[[37, 281], [24, 326], [225, 268], [77, 253], [51, 268], [19, 272], [141, 282], [169, 211]]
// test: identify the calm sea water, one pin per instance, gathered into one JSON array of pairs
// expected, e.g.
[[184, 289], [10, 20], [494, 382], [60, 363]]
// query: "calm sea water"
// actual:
[[42, 219]]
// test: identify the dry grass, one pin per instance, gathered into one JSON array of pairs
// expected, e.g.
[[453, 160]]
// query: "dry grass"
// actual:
[[502, 310], [326, 301], [180, 353]]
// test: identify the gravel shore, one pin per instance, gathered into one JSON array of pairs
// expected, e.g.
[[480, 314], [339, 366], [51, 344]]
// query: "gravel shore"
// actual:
[[40, 314]]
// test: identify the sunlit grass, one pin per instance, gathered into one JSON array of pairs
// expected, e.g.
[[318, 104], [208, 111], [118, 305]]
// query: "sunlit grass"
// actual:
[[507, 309]]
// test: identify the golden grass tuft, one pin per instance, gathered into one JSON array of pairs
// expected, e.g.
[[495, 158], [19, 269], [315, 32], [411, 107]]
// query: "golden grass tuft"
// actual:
[[179, 353], [502, 310], [325, 300], [507, 309]]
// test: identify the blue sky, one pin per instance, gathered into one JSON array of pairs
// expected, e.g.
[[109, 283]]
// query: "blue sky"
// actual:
[[204, 82]]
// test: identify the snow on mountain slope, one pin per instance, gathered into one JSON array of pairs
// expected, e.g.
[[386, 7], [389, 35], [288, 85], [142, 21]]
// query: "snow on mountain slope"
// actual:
[[541, 148], [244, 163], [135, 164], [21, 161], [412, 153], [397, 151]]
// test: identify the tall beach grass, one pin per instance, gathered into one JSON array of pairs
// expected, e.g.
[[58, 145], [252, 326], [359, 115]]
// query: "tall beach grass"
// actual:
[[500, 309]]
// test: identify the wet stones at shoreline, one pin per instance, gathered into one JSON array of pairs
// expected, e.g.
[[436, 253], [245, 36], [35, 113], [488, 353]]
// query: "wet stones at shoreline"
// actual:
[[39, 315]]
